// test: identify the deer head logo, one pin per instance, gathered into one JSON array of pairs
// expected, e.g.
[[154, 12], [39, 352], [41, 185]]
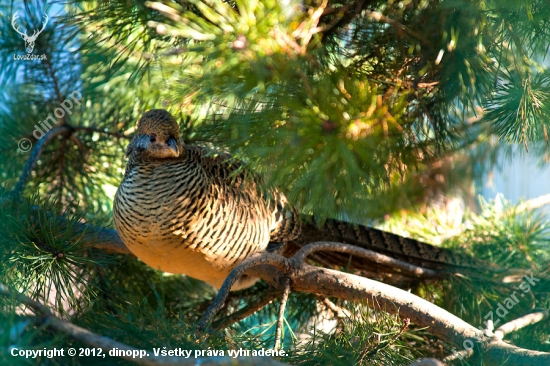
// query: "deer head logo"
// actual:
[[29, 40]]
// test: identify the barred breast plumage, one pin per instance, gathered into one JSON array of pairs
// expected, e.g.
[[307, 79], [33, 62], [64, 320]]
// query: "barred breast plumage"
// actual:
[[182, 211]]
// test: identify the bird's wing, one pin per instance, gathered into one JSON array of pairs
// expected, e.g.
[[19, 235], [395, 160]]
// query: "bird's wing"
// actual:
[[223, 168]]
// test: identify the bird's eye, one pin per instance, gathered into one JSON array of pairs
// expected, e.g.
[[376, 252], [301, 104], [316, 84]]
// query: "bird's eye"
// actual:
[[152, 137]]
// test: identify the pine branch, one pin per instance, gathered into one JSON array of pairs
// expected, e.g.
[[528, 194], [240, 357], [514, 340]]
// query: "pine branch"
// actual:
[[107, 239], [528, 319], [534, 203], [365, 354], [245, 312], [106, 344], [348, 16], [382, 18], [51, 73], [330, 283], [326, 282], [62, 130]]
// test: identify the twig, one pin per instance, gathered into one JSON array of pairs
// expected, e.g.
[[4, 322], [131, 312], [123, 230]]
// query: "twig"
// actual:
[[528, 319], [342, 315], [306, 35], [346, 18], [281, 316], [380, 346], [518, 43], [35, 155], [94, 340], [325, 27], [335, 309], [59, 170], [246, 311], [301, 31], [60, 100], [405, 267], [534, 203], [382, 18]]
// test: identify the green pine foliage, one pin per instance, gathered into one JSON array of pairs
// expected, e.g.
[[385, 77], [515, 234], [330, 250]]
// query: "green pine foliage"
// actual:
[[358, 110], [509, 235]]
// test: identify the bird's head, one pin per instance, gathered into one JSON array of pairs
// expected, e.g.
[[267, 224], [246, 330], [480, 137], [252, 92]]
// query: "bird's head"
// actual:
[[156, 138]]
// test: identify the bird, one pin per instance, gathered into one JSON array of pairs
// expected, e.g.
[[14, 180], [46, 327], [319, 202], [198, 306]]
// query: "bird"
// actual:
[[183, 210]]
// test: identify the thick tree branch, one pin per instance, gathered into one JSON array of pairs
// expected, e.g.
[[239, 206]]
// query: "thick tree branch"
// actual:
[[528, 319], [107, 239], [350, 287], [326, 282], [464, 353]]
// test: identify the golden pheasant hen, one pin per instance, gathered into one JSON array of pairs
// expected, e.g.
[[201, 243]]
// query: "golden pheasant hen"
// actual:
[[182, 211]]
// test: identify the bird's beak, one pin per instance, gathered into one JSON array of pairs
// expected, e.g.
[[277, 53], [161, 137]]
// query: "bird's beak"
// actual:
[[172, 145]]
